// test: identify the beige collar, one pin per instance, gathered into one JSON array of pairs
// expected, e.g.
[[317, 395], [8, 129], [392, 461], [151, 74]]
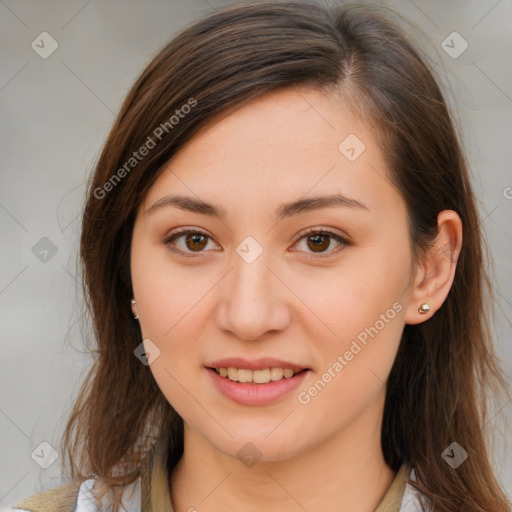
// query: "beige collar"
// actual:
[[392, 500]]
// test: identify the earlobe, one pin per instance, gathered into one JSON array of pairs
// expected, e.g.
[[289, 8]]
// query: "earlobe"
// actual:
[[436, 271]]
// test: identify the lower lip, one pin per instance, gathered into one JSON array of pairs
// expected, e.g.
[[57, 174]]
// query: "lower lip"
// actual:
[[256, 394]]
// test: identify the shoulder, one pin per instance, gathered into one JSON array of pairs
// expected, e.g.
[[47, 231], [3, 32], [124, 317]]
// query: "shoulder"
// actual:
[[73, 497], [63, 498]]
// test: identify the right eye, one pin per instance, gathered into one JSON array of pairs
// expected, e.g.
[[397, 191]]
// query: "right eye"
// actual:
[[194, 241]]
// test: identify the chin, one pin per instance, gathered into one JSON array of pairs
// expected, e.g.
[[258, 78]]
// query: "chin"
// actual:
[[259, 445]]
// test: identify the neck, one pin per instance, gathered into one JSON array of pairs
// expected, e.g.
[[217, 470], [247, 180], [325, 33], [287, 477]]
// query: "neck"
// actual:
[[345, 473]]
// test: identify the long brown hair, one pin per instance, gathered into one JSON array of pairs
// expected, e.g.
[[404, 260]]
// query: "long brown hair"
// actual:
[[446, 368]]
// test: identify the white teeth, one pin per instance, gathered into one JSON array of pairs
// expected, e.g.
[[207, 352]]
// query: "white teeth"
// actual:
[[276, 373], [244, 375], [261, 376], [256, 376]]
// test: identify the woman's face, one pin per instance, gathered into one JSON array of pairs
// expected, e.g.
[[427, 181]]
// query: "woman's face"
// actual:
[[256, 287]]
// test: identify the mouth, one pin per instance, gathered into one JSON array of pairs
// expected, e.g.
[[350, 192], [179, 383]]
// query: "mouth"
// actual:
[[256, 383], [261, 376]]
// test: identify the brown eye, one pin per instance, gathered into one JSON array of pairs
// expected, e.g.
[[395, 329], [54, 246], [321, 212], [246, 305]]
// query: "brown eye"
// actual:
[[194, 241], [318, 241]]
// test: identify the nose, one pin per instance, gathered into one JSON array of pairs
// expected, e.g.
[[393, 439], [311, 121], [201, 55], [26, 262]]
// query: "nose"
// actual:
[[253, 300]]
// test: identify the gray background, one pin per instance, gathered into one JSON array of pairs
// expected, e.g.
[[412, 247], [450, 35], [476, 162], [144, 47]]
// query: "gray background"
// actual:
[[55, 115]]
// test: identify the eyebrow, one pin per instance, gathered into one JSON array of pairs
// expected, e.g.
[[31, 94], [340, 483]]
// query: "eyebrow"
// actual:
[[299, 206]]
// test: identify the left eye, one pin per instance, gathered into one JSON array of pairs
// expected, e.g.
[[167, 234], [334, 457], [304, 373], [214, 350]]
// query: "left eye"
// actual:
[[320, 240], [195, 241]]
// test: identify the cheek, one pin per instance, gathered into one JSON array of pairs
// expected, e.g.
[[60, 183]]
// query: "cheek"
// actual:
[[172, 318], [356, 362], [363, 306], [171, 299], [354, 295], [167, 296]]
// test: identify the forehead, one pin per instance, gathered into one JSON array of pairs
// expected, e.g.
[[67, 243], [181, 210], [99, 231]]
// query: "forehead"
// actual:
[[281, 146], [284, 125]]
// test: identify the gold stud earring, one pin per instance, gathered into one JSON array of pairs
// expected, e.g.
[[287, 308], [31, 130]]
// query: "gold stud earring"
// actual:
[[424, 308], [135, 316]]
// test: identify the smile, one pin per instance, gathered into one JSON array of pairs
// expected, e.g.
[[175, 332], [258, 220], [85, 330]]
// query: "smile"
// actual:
[[256, 387], [263, 376]]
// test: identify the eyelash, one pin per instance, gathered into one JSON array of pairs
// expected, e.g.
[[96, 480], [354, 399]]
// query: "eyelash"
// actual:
[[185, 231]]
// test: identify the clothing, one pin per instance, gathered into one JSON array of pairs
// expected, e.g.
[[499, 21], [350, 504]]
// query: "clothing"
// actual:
[[150, 492]]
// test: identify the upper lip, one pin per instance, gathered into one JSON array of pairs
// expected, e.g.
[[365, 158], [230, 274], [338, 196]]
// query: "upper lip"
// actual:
[[254, 364]]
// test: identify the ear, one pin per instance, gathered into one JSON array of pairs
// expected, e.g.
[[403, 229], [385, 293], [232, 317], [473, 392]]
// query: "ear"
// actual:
[[435, 271]]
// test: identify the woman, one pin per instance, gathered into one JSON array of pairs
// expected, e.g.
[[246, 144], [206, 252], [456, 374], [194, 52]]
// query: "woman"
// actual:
[[283, 264]]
